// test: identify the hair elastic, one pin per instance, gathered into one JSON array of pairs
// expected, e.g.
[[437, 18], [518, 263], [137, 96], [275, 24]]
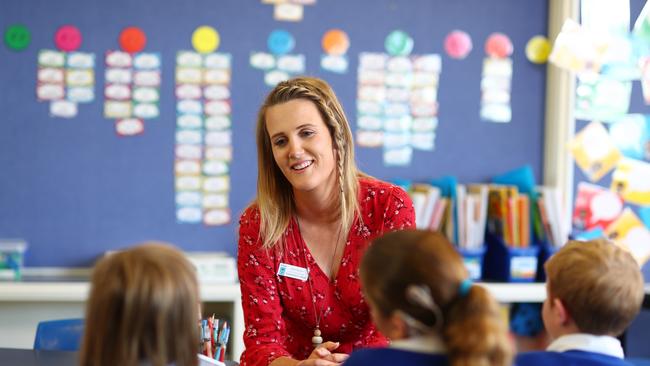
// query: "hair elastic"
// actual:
[[421, 295], [464, 287]]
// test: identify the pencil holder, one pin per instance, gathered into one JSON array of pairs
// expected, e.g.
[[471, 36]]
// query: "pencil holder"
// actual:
[[507, 264], [545, 252], [473, 261]]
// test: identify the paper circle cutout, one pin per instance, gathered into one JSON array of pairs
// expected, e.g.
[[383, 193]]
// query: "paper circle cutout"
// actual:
[[335, 42], [398, 43], [537, 49], [67, 38], [17, 37], [458, 44], [205, 39], [498, 45], [280, 42], [132, 39]]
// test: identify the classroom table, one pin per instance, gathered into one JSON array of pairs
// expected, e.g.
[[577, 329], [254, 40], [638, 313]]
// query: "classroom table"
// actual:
[[30, 357]]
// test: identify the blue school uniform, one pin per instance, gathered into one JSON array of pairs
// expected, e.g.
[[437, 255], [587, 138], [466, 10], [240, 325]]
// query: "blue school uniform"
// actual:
[[577, 350], [417, 351]]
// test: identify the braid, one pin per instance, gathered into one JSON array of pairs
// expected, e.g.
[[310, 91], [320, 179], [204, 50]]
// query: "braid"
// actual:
[[274, 201]]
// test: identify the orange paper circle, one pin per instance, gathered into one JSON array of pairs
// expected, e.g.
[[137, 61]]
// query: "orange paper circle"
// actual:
[[132, 39], [336, 42]]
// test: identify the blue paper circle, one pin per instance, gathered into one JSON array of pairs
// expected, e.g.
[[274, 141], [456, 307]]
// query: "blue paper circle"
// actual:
[[280, 42]]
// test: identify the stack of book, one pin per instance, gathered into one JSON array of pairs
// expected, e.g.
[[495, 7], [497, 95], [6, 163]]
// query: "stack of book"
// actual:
[[458, 211]]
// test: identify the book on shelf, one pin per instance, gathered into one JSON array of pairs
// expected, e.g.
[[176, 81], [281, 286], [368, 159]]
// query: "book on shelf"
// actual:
[[458, 211], [550, 207]]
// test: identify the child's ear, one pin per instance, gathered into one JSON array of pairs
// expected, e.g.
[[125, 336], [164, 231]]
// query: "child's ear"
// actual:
[[561, 312]]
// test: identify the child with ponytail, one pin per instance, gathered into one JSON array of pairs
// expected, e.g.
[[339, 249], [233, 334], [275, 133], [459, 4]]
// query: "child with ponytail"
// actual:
[[420, 297]]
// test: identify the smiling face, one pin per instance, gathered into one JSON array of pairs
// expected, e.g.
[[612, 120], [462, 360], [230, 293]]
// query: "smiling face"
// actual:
[[302, 145]]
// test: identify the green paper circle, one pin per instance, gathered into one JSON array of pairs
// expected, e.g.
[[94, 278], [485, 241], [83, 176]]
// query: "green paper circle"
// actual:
[[398, 43], [17, 37]]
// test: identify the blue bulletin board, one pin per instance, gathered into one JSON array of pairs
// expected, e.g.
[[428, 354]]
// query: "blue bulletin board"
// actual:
[[73, 188]]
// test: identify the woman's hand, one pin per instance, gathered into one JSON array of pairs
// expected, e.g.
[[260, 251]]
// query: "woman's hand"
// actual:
[[323, 356]]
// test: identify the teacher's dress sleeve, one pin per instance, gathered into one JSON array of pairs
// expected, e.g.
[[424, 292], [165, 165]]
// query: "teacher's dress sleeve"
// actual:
[[399, 213], [265, 333]]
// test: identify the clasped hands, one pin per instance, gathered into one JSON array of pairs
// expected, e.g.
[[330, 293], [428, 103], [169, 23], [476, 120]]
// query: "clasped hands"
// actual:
[[323, 355]]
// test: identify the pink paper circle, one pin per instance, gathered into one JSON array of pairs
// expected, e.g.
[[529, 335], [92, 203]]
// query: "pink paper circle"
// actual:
[[498, 45], [67, 38], [458, 44]]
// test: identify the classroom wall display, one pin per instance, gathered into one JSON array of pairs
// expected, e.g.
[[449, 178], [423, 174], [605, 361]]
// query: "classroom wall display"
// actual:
[[65, 77], [17, 37], [279, 64], [74, 188], [289, 10], [132, 87], [497, 77], [203, 131], [335, 44], [397, 106], [611, 146]]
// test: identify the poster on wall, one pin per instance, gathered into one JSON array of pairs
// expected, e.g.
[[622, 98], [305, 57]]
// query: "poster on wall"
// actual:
[[66, 77], [203, 147]]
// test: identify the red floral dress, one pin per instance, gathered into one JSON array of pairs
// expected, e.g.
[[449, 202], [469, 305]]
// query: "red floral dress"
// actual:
[[279, 311]]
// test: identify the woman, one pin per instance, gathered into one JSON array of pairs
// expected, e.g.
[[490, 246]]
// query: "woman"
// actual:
[[301, 241], [142, 310]]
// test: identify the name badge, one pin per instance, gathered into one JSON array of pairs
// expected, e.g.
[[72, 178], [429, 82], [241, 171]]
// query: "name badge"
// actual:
[[287, 270]]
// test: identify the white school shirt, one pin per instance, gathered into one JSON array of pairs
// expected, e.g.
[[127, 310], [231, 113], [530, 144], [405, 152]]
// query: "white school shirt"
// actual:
[[422, 344], [605, 345]]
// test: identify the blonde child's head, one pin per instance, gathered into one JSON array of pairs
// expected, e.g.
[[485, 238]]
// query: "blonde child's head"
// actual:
[[143, 307], [416, 282], [596, 286]]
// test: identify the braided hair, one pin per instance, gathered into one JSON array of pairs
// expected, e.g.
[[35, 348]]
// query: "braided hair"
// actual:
[[274, 192]]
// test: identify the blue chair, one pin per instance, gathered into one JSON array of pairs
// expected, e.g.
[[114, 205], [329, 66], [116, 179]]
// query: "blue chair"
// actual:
[[59, 335]]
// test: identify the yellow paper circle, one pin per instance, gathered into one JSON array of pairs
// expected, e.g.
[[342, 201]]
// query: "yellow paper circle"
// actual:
[[205, 39], [538, 49]]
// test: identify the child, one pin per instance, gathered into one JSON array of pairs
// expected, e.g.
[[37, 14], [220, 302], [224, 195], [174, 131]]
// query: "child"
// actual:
[[594, 290], [142, 310], [419, 296]]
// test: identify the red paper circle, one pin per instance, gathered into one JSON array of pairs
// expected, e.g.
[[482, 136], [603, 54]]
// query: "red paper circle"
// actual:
[[498, 45], [132, 39]]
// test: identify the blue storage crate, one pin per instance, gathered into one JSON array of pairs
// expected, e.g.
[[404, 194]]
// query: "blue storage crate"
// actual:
[[545, 252], [506, 264], [473, 261]]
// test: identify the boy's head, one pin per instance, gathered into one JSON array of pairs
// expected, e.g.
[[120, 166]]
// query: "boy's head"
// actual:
[[143, 306], [592, 287]]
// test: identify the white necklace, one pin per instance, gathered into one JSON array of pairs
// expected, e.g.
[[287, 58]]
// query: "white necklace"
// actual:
[[317, 339]]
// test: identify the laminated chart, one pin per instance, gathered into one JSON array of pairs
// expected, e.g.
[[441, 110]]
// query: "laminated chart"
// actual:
[[203, 151], [65, 78], [496, 79], [397, 106], [288, 10], [278, 65], [132, 87], [335, 44]]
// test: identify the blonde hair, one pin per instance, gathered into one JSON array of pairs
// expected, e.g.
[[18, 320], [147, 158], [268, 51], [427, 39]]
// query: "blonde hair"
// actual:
[[469, 323], [274, 192], [143, 306], [599, 283]]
